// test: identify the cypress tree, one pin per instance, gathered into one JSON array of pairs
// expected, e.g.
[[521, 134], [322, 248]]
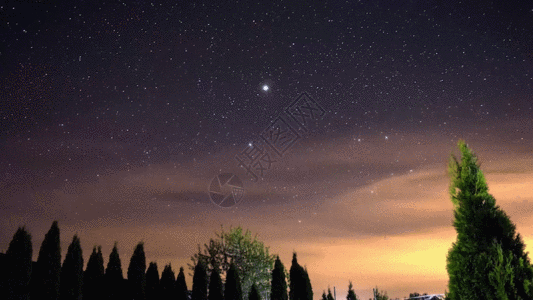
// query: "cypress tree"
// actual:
[[94, 275], [324, 297], [181, 286], [72, 272], [48, 268], [330, 296], [152, 282], [308, 289], [233, 288], [488, 260], [114, 279], [254, 293], [19, 265], [351, 293], [297, 282], [137, 273], [168, 283], [199, 281], [215, 286], [279, 283]]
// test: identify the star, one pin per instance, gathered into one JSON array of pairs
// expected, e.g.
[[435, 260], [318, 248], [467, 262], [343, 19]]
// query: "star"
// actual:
[[265, 87]]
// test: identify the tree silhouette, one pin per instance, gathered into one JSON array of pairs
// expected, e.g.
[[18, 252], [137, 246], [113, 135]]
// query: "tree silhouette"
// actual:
[[168, 283], [94, 276], [199, 282], [19, 265], [114, 279], [181, 286], [152, 282], [72, 272], [351, 293], [47, 276], [254, 293], [279, 282], [137, 273], [233, 288], [215, 286]]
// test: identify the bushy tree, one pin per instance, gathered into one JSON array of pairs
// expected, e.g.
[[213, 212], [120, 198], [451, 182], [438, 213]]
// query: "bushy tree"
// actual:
[[215, 286], [254, 293], [199, 281], [47, 277], [380, 295], [152, 282], [19, 266], [168, 283], [137, 273], [114, 279], [279, 282], [488, 260], [94, 275], [351, 293], [233, 288], [181, 286], [250, 256], [72, 272]]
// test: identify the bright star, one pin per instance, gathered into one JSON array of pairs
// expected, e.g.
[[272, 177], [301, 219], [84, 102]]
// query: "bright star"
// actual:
[[265, 87]]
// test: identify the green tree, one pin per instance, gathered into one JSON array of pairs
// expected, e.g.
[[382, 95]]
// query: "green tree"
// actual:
[[199, 281], [488, 260], [249, 255], [152, 282], [215, 286], [380, 295], [46, 280], [137, 272], [19, 265], [114, 279], [233, 288], [181, 286], [168, 283], [94, 275], [279, 283], [254, 293], [72, 272], [351, 293]]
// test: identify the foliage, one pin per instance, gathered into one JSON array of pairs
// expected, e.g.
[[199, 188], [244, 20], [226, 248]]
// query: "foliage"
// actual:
[[215, 286], [72, 272], [279, 282], [351, 293], [300, 285], [47, 276], [19, 265], [254, 293], [137, 273], [233, 288], [199, 281], [249, 255], [168, 283], [114, 280], [181, 286], [94, 275], [380, 295], [488, 259], [152, 282]]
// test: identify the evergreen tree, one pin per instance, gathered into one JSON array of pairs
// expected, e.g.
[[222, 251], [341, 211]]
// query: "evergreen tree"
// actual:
[[254, 293], [488, 260], [215, 286], [114, 279], [72, 272], [233, 288], [324, 297], [152, 282], [308, 289], [199, 281], [279, 283], [181, 286], [45, 282], [330, 296], [300, 285], [351, 293], [19, 265], [168, 283], [380, 295], [94, 275], [137, 273]]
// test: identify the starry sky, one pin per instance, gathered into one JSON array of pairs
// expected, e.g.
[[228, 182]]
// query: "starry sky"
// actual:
[[116, 116]]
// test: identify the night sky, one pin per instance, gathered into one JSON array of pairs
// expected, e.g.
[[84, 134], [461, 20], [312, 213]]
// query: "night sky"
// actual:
[[115, 117]]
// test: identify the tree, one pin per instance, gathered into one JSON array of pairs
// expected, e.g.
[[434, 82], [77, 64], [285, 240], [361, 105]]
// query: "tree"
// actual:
[[254, 293], [329, 296], [487, 261], [199, 281], [181, 286], [279, 283], [72, 272], [300, 285], [48, 268], [94, 275], [168, 283], [152, 282], [114, 279], [233, 288], [351, 293], [137, 272], [215, 286], [308, 290], [324, 296], [380, 295], [19, 265], [249, 255]]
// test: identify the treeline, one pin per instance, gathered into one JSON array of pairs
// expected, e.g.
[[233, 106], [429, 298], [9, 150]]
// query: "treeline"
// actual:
[[48, 279]]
